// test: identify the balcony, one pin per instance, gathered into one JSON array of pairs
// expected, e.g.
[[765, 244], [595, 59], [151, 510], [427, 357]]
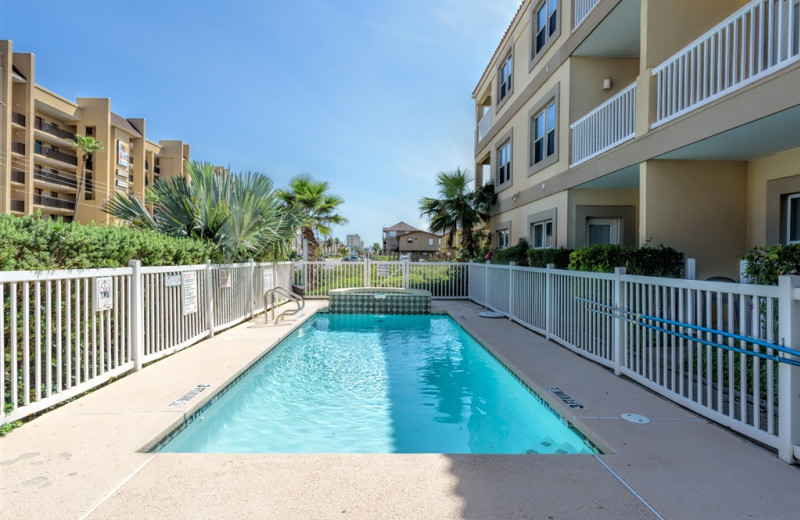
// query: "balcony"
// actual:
[[52, 130], [581, 9], [43, 200], [754, 42], [18, 176], [605, 127], [55, 154], [17, 118], [18, 205], [485, 125], [18, 147], [56, 178]]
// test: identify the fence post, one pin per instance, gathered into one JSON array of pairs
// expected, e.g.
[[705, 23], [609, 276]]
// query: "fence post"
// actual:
[[511, 289], [367, 272], [252, 278], [209, 299], [405, 273], [548, 301], [789, 375], [486, 283], [137, 313], [690, 269], [618, 323]]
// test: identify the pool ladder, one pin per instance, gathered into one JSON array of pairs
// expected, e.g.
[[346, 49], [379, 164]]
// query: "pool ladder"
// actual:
[[289, 295]]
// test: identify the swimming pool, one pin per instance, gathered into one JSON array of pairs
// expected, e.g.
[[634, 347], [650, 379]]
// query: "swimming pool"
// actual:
[[345, 383]]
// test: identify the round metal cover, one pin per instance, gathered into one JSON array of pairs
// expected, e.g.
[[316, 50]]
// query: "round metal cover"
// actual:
[[635, 418]]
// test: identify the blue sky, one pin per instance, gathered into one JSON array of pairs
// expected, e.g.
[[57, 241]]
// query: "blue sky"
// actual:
[[373, 97]]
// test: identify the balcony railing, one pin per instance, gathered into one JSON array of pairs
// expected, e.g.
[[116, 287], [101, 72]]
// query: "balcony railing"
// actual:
[[605, 127], [64, 180], [757, 40], [55, 154], [18, 205], [18, 147], [485, 125], [50, 202], [18, 118], [581, 9], [52, 130], [18, 176]]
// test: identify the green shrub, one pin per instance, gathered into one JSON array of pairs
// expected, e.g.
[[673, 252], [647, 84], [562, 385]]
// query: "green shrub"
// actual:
[[517, 254], [766, 264], [34, 243], [541, 257], [647, 261]]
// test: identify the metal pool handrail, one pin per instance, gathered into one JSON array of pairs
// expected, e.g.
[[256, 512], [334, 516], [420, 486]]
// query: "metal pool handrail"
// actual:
[[296, 298]]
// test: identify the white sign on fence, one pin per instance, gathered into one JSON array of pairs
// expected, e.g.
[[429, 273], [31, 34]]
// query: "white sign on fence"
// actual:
[[383, 269], [269, 280], [225, 278], [189, 292], [172, 280], [103, 294]]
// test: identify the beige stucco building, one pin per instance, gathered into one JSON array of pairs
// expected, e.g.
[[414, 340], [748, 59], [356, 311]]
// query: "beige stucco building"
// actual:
[[39, 167], [628, 121]]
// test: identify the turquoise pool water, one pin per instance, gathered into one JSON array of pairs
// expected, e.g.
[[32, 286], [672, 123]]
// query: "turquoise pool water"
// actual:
[[378, 384]]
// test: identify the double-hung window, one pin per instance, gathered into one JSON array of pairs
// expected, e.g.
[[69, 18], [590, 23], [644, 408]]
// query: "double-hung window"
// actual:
[[504, 163], [506, 78], [545, 24], [542, 234], [503, 239], [793, 219], [544, 134]]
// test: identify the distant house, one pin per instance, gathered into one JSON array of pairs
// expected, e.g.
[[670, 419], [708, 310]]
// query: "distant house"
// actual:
[[403, 239]]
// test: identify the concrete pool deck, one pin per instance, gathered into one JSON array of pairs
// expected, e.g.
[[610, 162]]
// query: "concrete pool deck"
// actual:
[[85, 459]]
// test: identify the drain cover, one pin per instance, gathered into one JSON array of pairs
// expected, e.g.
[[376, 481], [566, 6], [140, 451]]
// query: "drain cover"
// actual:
[[188, 396], [635, 418]]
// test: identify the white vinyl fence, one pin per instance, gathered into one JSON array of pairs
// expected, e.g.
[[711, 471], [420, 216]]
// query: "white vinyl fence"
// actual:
[[715, 348], [66, 332]]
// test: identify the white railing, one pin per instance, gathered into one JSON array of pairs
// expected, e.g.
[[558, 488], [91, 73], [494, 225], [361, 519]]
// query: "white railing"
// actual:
[[66, 332], [757, 40], [581, 9], [676, 337], [485, 124], [605, 127], [445, 280]]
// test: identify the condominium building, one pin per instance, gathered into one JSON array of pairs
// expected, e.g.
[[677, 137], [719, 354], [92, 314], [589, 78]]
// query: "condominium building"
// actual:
[[41, 170], [354, 242], [631, 121]]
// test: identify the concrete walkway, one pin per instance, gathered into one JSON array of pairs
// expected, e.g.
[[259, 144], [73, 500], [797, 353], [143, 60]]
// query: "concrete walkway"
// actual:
[[88, 458]]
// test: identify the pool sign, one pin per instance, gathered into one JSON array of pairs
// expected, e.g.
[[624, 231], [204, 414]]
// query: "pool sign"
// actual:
[[189, 292], [225, 278], [103, 294], [172, 280], [383, 269], [269, 280]]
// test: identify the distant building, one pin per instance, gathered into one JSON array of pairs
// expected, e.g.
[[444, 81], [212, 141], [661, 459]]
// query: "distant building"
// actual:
[[403, 239], [354, 242], [41, 168]]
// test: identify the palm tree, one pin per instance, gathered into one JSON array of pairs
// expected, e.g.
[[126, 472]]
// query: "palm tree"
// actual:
[[459, 207], [318, 207], [241, 214], [376, 248], [87, 145]]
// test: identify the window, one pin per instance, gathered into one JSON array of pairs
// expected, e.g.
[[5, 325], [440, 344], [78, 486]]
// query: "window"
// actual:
[[430, 241], [410, 240], [544, 134], [544, 20], [392, 234], [542, 234], [503, 239], [793, 217], [602, 231], [505, 78], [504, 163]]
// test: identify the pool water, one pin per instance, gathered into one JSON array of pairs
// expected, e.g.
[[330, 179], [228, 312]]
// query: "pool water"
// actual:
[[378, 384]]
